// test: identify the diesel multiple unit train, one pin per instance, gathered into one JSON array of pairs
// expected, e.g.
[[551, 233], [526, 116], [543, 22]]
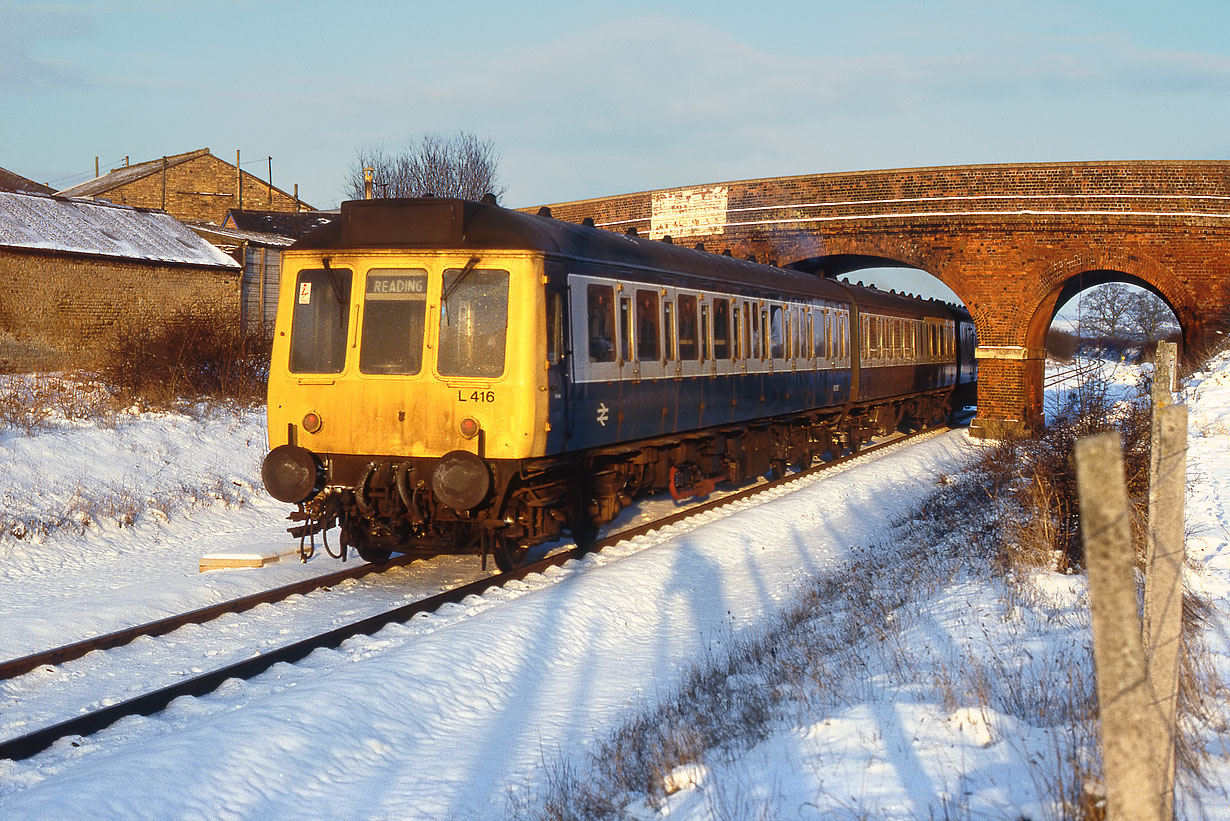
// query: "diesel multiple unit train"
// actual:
[[452, 376]]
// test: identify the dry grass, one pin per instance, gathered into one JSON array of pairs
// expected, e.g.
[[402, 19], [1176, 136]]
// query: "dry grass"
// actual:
[[33, 403], [111, 505]]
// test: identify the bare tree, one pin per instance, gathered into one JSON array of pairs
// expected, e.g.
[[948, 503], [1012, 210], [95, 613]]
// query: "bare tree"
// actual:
[[1105, 311], [461, 165], [1151, 318]]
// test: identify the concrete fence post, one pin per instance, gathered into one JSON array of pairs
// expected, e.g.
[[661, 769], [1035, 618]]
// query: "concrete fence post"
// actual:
[[1164, 559], [1129, 726]]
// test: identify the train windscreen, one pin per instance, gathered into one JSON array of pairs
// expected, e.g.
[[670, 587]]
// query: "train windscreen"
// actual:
[[320, 321], [473, 322], [394, 312]]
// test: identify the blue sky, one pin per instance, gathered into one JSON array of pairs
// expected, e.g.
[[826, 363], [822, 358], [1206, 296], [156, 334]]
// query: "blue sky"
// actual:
[[585, 100]]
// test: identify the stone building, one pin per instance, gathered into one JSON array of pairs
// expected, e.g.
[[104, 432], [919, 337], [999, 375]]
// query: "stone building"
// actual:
[[74, 272], [192, 187]]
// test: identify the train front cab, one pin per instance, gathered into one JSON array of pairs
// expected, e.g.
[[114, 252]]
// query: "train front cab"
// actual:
[[387, 365]]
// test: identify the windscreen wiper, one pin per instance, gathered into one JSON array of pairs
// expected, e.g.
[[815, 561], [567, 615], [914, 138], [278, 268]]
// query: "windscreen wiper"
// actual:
[[334, 280], [465, 272]]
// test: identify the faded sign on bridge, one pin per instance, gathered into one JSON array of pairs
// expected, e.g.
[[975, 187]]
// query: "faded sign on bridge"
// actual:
[[688, 212]]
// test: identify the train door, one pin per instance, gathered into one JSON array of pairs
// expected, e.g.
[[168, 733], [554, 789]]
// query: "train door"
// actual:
[[598, 360], [558, 417]]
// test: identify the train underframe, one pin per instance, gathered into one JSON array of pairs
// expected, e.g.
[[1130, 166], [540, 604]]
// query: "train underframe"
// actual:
[[387, 504]]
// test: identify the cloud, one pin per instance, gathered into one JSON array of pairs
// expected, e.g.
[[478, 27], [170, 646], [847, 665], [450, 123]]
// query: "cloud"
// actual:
[[28, 24]]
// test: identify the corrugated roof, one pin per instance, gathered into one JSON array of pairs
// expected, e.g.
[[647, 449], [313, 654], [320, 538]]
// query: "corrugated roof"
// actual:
[[127, 174], [86, 227]]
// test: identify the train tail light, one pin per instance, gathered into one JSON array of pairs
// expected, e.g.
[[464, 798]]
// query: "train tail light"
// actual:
[[469, 427], [312, 422]]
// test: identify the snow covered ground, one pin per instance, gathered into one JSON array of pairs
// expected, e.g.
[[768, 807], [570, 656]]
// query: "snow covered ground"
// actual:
[[465, 713]]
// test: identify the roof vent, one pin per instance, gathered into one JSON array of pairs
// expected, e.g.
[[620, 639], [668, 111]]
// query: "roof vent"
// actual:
[[588, 222], [631, 231], [667, 239], [544, 212], [490, 199]]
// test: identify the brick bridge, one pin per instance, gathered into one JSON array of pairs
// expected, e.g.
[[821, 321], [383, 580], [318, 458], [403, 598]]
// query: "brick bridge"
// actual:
[[1015, 242]]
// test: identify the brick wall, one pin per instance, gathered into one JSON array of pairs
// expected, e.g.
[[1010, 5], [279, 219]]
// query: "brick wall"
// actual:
[[200, 189], [61, 311], [1008, 239]]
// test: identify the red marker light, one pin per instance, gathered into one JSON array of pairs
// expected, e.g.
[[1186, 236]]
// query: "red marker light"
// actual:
[[469, 427], [311, 422]]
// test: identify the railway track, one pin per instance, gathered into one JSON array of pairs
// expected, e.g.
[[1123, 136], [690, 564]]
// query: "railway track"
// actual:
[[70, 652], [28, 745]]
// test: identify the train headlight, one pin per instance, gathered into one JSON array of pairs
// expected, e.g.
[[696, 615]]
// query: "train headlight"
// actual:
[[312, 422], [461, 480], [469, 427], [291, 474]]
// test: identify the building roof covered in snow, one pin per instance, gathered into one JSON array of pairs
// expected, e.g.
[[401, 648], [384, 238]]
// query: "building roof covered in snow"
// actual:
[[74, 226]]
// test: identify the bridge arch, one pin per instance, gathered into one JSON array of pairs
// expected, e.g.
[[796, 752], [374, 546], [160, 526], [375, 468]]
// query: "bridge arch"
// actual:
[[1064, 279]]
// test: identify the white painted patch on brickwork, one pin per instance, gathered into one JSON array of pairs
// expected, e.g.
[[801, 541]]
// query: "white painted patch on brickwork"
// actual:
[[688, 212]]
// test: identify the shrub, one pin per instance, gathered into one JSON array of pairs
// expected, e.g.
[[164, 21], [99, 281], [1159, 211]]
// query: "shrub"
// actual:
[[189, 357]]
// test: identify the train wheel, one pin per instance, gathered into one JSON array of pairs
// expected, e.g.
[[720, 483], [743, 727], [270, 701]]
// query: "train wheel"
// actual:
[[373, 555], [509, 555], [584, 531], [581, 524]]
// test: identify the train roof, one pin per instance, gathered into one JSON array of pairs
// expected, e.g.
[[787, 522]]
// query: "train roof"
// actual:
[[454, 223]]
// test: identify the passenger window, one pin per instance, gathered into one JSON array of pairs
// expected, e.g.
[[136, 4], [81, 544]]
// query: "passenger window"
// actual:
[[670, 332], [687, 327], [555, 327], [705, 353], [796, 331], [647, 320], [777, 330], [750, 350], [721, 329], [778, 333], [394, 317], [473, 322], [600, 308], [625, 329], [763, 340], [320, 321]]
